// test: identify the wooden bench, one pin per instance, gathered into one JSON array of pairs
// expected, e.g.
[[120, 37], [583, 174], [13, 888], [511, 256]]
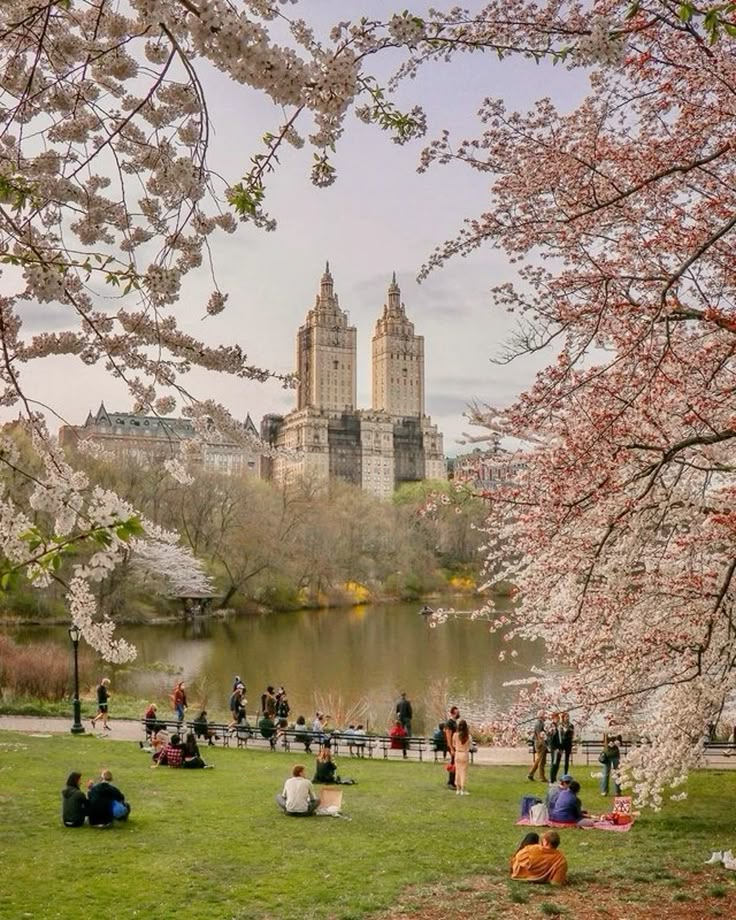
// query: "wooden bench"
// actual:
[[720, 749], [246, 734], [595, 748], [218, 730]]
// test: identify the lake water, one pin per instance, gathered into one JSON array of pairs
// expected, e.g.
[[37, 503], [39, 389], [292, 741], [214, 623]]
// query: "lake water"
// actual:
[[331, 659]]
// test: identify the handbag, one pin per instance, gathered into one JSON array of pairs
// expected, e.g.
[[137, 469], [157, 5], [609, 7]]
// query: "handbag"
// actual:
[[538, 814], [602, 757]]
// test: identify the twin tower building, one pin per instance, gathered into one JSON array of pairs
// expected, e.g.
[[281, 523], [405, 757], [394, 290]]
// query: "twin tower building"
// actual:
[[326, 437]]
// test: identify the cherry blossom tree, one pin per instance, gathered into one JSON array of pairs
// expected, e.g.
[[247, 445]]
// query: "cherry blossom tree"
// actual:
[[618, 528], [107, 202]]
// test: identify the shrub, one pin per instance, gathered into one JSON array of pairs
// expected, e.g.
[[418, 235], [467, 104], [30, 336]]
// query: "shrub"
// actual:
[[38, 670]]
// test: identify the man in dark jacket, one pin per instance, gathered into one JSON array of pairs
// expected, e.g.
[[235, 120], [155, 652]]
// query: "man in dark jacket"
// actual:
[[404, 713], [73, 802], [101, 799]]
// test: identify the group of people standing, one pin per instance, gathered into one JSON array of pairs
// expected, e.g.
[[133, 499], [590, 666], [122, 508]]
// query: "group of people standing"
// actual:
[[554, 738]]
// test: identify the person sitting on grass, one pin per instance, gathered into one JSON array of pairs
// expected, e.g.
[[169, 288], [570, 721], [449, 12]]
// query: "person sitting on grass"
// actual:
[[568, 809], [298, 798], [172, 755], [73, 802], [540, 862], [156, 745], [191, 758], [326, 770], [554, 790], [527, 840], [105, 802]]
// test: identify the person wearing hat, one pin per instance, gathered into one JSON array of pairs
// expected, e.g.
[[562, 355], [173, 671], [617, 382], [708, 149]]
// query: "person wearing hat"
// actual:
[[556, 788]]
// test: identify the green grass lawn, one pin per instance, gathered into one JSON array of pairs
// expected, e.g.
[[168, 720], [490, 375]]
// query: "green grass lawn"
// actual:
[[212, 844]]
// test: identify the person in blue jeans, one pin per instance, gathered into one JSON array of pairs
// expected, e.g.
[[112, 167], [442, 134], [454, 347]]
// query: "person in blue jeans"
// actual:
[[610, 762]]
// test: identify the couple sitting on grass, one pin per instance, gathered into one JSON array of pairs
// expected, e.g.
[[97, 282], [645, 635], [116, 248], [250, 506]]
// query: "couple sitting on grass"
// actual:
[[539, 861], [176, 754], [103, 804]]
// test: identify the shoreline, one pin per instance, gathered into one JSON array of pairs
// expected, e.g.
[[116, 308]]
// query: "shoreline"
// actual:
[[256, 611]]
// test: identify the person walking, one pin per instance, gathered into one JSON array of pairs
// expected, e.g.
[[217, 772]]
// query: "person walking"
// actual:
[[237, 709], [539, 739], [103, 698], [461, 747], [282, 705], [268, 703], [179, 699], [404, 712]]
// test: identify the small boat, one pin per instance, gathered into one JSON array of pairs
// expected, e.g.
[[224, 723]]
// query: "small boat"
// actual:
[[426, 611]]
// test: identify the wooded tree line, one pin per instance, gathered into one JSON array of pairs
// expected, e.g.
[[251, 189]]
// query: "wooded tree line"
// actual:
[[286, 547]]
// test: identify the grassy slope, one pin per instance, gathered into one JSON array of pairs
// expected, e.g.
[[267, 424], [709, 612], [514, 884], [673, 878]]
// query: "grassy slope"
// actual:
[[213, 844]]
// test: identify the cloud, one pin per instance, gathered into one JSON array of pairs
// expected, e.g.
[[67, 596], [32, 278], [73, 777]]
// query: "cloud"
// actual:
[[443, 404], [46, 317]]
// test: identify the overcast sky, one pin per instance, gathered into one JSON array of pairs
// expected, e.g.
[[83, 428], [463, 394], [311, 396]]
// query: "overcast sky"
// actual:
[[379, 217]]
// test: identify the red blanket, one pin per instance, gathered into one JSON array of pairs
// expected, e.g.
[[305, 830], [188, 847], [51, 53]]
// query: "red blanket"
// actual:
[[598, 826]]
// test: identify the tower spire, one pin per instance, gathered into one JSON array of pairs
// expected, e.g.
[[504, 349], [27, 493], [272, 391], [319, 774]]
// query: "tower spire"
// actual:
[[394, 296], [326, 289]]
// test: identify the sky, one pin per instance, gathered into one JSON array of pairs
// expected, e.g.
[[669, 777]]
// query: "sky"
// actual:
[[379, 217]]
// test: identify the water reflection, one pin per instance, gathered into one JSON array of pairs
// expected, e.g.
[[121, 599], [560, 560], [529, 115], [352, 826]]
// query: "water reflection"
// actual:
[[371, 653]]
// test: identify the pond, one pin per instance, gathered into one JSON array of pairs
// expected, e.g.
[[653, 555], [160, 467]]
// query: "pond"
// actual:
[[335, 659]]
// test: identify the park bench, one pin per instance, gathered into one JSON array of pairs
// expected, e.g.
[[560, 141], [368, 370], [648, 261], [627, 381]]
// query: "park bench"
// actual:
[[249, 735], [719, 749], [415, 744], [593, 749], [218, 730]]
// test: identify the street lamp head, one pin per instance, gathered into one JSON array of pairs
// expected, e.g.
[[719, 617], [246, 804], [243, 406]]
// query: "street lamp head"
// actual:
[[75, 633]]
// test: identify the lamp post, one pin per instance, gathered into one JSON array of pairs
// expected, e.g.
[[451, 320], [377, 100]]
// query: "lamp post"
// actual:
[[75, 634]]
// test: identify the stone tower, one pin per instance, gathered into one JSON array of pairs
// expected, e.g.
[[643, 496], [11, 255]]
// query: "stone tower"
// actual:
[[326, 354], [398, 361]]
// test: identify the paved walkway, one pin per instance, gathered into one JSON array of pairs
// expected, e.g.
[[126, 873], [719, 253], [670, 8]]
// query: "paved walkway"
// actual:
[[130, 730]]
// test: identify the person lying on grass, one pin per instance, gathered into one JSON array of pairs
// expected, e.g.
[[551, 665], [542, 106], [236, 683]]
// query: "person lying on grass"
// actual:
[[540, 862]]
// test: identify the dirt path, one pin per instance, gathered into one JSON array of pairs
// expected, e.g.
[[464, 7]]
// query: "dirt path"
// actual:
[[696, 896]]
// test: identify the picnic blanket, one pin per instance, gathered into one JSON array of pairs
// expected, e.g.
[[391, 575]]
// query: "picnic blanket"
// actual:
[[598, 826]]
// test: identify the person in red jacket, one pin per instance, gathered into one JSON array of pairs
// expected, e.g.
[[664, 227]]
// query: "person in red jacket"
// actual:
[[398, 734], [179, 699]]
